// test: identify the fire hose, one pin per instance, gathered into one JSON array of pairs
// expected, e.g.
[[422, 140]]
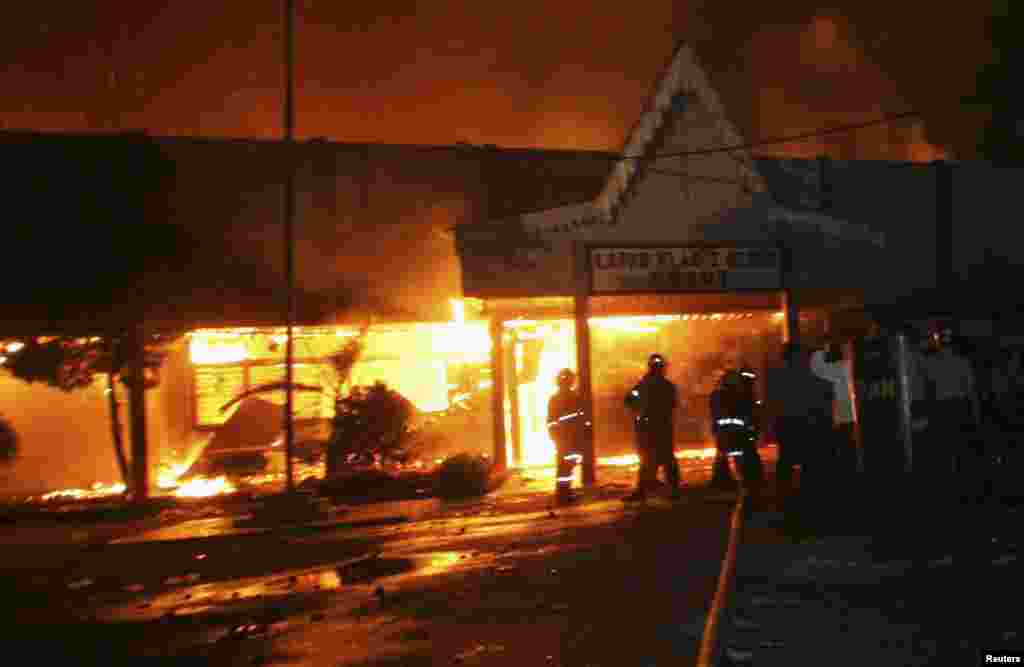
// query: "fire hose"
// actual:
[[710, 650]]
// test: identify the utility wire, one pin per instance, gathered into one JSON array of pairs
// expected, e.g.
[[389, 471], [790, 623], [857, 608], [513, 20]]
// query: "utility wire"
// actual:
[[838, 129]]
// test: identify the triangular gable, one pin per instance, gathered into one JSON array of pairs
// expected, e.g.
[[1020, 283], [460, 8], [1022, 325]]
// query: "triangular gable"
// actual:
[[683, 83]]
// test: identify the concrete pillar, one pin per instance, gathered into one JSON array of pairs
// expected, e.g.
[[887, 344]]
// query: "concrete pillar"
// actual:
[[581, 305]]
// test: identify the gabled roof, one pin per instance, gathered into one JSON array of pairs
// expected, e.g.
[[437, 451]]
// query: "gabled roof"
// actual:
[[682, 80]]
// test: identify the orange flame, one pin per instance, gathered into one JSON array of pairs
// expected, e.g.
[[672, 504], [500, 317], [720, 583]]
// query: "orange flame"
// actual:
[[98, 490], [217, 349], [204, 487], [633, 459]]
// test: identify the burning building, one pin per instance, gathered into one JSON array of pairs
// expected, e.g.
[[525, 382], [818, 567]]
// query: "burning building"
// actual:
[[710, 257], [566, 259], [183, 236]]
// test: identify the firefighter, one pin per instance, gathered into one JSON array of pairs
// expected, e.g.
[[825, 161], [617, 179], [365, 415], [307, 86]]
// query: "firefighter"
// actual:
[[721, 475], [566, 424], [654, 399], [734, 421]]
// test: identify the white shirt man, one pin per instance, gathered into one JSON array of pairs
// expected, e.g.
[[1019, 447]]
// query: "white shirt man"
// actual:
[[839, 373], [841, 377]]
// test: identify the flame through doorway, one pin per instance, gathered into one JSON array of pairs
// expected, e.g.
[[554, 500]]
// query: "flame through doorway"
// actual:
[[539, 352], [699, 347]]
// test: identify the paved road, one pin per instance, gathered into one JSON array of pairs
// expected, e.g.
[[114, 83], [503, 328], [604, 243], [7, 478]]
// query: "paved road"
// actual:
[[595, 584]]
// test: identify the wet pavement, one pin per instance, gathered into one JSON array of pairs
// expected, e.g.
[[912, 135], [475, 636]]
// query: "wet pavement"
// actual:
[[524, 491], [511, 580], [507, 579], [896, 586], [479, 589], [547, 593]]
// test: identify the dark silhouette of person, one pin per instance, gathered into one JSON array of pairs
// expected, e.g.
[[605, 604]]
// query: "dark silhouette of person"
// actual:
[[799, 405], [734, 421], [654, 399]]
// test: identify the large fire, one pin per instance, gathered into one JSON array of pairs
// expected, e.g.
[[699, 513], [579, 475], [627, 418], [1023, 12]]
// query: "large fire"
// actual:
[[207, 487], [459, 341], [559, 352]]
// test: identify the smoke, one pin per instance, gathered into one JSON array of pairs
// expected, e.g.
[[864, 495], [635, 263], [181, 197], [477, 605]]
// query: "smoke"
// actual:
[[559, 75], [799, 68], [394, 71]]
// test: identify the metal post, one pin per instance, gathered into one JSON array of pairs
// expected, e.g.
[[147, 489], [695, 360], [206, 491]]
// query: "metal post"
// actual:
[[581, 304], [289, 243], [498, 395], [905, 388]]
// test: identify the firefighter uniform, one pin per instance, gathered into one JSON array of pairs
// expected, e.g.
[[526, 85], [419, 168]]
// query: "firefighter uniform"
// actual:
[[566, 423], [655, 399], [734, 422]]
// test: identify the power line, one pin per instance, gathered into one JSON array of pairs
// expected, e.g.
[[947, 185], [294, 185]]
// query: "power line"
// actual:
[[839, 129]]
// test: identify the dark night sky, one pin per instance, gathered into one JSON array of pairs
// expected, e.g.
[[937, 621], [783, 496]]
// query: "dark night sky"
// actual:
[[567, 74]]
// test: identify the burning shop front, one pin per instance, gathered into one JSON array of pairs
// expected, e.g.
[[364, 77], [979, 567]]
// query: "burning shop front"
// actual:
[[441, 367], [601, 308]]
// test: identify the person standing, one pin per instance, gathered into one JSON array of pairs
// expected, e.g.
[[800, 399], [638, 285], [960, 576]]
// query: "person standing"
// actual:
[[654, 399], [799, 406], [734, 423], [829, 364], [956, 410], [566, 423], [721, 474]]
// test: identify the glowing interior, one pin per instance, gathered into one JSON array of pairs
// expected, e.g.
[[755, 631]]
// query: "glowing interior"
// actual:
[[415, 360]]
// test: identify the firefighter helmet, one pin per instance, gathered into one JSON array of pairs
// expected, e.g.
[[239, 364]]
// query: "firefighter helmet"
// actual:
[[656, 362], [732, 378], [566, 378]]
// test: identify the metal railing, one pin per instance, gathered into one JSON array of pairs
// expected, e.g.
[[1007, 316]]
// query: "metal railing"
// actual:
[[710, 650]]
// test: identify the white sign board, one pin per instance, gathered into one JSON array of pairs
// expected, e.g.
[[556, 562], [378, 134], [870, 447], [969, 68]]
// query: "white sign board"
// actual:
[[706, 268]]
